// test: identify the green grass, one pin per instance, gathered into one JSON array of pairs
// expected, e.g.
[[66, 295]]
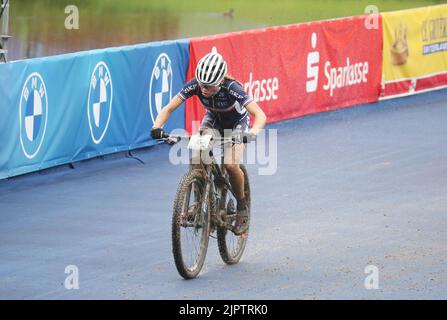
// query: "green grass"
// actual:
[[268, 12], [105, 23]]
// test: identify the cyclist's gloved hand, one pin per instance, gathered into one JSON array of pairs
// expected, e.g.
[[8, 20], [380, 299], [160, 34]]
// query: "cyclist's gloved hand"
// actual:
[[157, 133], [243, 137], [248, 137]]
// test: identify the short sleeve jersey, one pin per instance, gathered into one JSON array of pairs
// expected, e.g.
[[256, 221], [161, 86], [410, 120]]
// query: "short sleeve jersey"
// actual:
[[228, 104]]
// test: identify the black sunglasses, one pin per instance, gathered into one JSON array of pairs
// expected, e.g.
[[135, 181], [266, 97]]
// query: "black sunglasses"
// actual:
[[205, 86]]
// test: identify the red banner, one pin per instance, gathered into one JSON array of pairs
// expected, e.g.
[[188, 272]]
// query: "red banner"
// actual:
[[300, 69]]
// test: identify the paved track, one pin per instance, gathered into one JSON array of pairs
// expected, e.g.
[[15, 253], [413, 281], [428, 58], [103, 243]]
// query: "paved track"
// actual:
[[355, 187]]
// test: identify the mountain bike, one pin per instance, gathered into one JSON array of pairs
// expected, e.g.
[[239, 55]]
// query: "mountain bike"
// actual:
[[204, 207]]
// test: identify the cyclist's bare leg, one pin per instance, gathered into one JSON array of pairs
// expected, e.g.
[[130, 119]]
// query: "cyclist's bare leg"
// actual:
[[235, 174]]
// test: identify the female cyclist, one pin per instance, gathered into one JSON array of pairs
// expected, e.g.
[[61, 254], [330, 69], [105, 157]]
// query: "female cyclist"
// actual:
[[227, 106]]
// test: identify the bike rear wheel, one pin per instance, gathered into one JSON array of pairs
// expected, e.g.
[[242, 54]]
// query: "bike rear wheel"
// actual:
[[190, 224], [231, 247]]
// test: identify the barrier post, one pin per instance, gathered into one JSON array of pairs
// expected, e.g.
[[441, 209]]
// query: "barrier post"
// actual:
[[4, 16]]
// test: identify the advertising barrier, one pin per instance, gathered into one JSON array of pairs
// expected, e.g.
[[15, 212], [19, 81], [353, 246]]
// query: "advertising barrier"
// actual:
[[66, 108], [414, 50], [72, 107], [300, 69]]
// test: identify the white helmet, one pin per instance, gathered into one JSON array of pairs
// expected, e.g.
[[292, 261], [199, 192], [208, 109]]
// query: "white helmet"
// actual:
[[211, 69]]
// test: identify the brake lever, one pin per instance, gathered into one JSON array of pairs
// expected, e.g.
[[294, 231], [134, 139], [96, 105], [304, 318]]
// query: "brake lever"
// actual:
[[171, 140]]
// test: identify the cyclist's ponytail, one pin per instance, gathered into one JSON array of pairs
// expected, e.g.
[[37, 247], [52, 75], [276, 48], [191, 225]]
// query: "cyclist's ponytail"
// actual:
[[230, 77]]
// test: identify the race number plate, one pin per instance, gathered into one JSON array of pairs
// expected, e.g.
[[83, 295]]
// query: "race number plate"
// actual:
[[198, 142]]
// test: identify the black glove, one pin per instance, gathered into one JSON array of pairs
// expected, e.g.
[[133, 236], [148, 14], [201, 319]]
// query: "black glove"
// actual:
[[248, 137], [243, 137], [157, 133]]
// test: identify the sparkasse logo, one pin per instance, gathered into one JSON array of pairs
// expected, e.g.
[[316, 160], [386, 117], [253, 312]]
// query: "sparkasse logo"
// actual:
[[263, 89], [337, 77]]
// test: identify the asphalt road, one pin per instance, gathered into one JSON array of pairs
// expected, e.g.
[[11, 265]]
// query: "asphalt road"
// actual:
[[358, 187]]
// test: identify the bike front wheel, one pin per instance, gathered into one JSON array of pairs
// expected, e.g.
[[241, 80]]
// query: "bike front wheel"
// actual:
[[190, 224]]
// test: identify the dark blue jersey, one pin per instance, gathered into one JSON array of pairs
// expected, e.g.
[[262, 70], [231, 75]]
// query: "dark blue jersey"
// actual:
[[228, 105]]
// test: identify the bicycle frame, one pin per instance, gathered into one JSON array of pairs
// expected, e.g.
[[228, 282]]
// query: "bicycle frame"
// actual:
[[216, 173], [216, 181], [215, 212]]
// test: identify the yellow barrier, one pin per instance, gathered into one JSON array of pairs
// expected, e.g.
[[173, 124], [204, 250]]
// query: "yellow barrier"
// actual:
[[414, 50]]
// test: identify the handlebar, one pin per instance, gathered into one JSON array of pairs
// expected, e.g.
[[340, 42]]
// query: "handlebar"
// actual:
[[173, 139]]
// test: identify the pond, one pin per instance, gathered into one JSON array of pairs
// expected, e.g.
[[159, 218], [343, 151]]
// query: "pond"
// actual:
[[38, 26]]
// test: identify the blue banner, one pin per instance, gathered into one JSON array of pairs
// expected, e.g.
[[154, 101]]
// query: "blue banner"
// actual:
[[61, 109]]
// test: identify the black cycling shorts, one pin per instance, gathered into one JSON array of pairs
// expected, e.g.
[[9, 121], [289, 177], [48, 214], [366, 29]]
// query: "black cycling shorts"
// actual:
[[212, 121]]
